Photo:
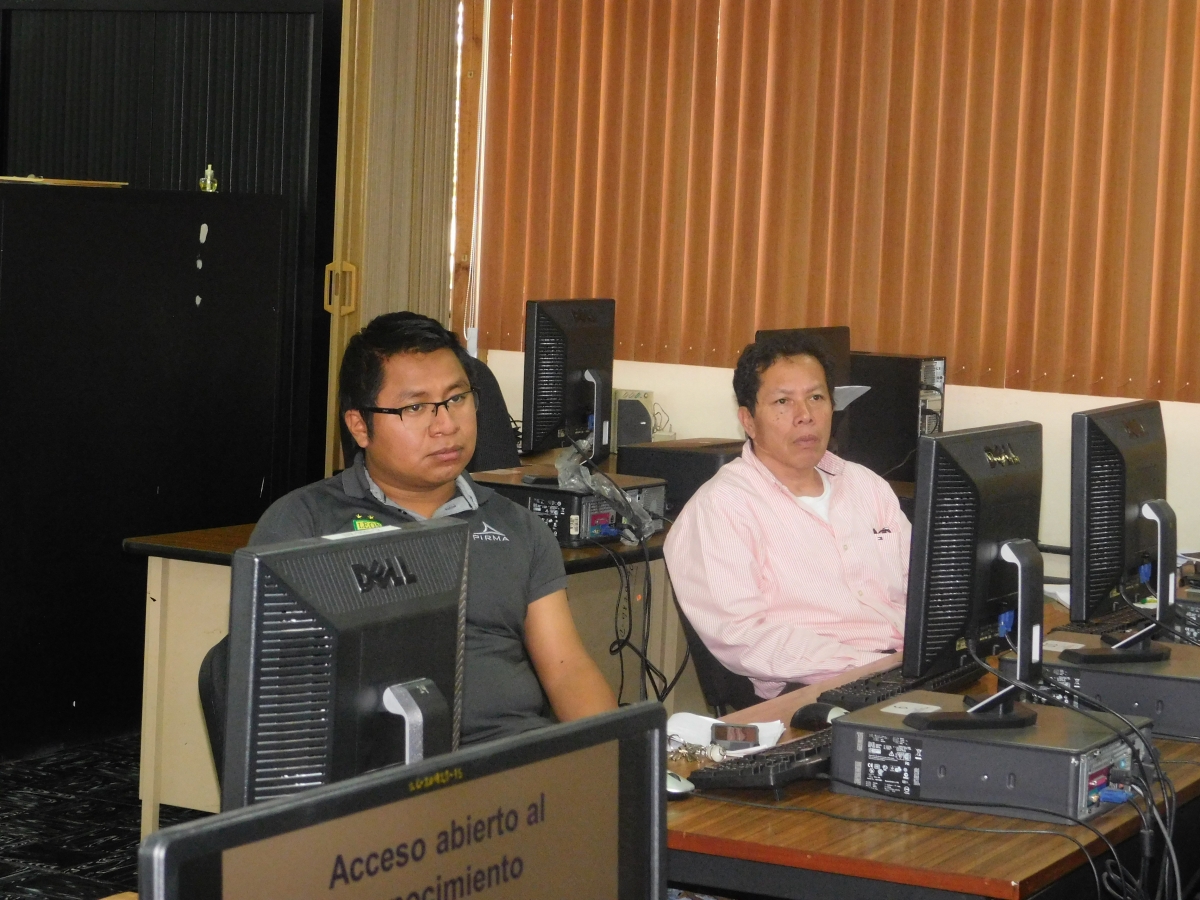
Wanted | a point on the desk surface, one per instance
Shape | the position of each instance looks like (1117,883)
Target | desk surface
(217,545)
(800,831)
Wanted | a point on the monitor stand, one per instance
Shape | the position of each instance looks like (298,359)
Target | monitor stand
(1000,710)
(1137,647)
(420,706)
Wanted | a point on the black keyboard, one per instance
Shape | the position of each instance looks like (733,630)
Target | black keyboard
(876,688)
(774,767)
(1125,618)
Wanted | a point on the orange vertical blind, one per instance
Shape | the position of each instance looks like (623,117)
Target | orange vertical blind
(1014,185)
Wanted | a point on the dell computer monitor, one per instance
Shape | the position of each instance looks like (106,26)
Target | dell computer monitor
(1118,464)
(567,811)
(976,490)
(568,375)
(344,656)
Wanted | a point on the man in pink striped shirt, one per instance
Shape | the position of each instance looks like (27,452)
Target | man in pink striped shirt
(791,563)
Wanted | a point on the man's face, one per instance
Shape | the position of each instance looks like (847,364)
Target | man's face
(791,421)
(435,453)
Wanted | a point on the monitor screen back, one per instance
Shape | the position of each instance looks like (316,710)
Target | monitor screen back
(575,811)
(976,489)
(1118,462)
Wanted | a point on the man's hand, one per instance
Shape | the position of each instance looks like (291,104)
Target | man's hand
(568,674)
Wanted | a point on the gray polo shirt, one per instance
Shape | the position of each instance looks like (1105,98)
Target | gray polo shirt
(514,561)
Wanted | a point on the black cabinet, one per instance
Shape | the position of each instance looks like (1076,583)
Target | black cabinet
(140,334)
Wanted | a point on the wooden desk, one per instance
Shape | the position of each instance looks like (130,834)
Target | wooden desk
(187,612)
(794,848)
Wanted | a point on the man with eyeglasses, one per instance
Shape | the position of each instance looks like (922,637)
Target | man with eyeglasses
(408,403)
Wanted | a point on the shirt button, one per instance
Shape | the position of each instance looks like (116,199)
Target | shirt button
(845,546)
(860,593)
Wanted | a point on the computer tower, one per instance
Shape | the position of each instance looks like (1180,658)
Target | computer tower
(905,401)
(685,464)
(633,417)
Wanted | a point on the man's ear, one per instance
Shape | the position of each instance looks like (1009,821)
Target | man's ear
(357,426)
(747,421)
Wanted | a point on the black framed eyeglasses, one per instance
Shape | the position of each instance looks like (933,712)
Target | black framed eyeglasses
(423,413)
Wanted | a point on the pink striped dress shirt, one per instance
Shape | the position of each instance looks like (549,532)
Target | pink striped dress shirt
(777,593)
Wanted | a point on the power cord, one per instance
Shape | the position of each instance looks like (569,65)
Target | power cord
(1167,788)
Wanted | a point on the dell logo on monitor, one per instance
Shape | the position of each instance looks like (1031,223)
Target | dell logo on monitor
(379,575)
(584,316)
(1001,455)
(1135,429)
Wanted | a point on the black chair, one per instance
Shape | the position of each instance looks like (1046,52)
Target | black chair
(724,691)
(214,690)
(495,443)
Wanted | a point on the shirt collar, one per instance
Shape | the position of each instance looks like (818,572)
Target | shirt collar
(829,464)
(358,483)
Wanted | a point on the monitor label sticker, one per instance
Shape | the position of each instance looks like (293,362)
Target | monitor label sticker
(540,830)
(904,707)
(1060,646)
(893,765)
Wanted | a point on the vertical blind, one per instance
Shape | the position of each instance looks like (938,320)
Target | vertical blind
(1014,185)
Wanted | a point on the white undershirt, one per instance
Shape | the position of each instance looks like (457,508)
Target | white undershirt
(819,505)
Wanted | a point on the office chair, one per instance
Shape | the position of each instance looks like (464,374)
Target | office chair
(724,691)
(214,690)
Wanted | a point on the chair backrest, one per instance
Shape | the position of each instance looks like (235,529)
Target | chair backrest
(495,444)
(723,690)
(213,683)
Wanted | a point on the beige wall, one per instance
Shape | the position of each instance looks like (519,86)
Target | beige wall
(700,402)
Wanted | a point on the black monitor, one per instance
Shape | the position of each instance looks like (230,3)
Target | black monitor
(565,811)
(836,339)
(568,375)
(344,656)
(976,490)
(1118,466)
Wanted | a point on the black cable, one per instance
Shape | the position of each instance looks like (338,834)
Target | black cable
(646,666)
(620,641)
(884,820)
(1167,788)
(687,650)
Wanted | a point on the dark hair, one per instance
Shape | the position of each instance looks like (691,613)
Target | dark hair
(361,375)
(766,350)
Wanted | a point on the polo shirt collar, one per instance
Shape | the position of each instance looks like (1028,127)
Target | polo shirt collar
(358,483)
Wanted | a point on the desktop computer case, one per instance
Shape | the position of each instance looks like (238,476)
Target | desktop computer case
(576,519)
(905,401)
(1052,769)
(1167,691)
(685,464)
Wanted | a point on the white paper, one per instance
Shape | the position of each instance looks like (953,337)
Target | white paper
(1060,646)
(696,729)
(1058,592)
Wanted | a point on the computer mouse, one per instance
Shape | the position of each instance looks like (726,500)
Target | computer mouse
(678,786)
(815,716)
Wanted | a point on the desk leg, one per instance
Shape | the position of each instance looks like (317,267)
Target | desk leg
(150,775)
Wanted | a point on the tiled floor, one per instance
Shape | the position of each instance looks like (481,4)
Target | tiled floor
(70,822)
